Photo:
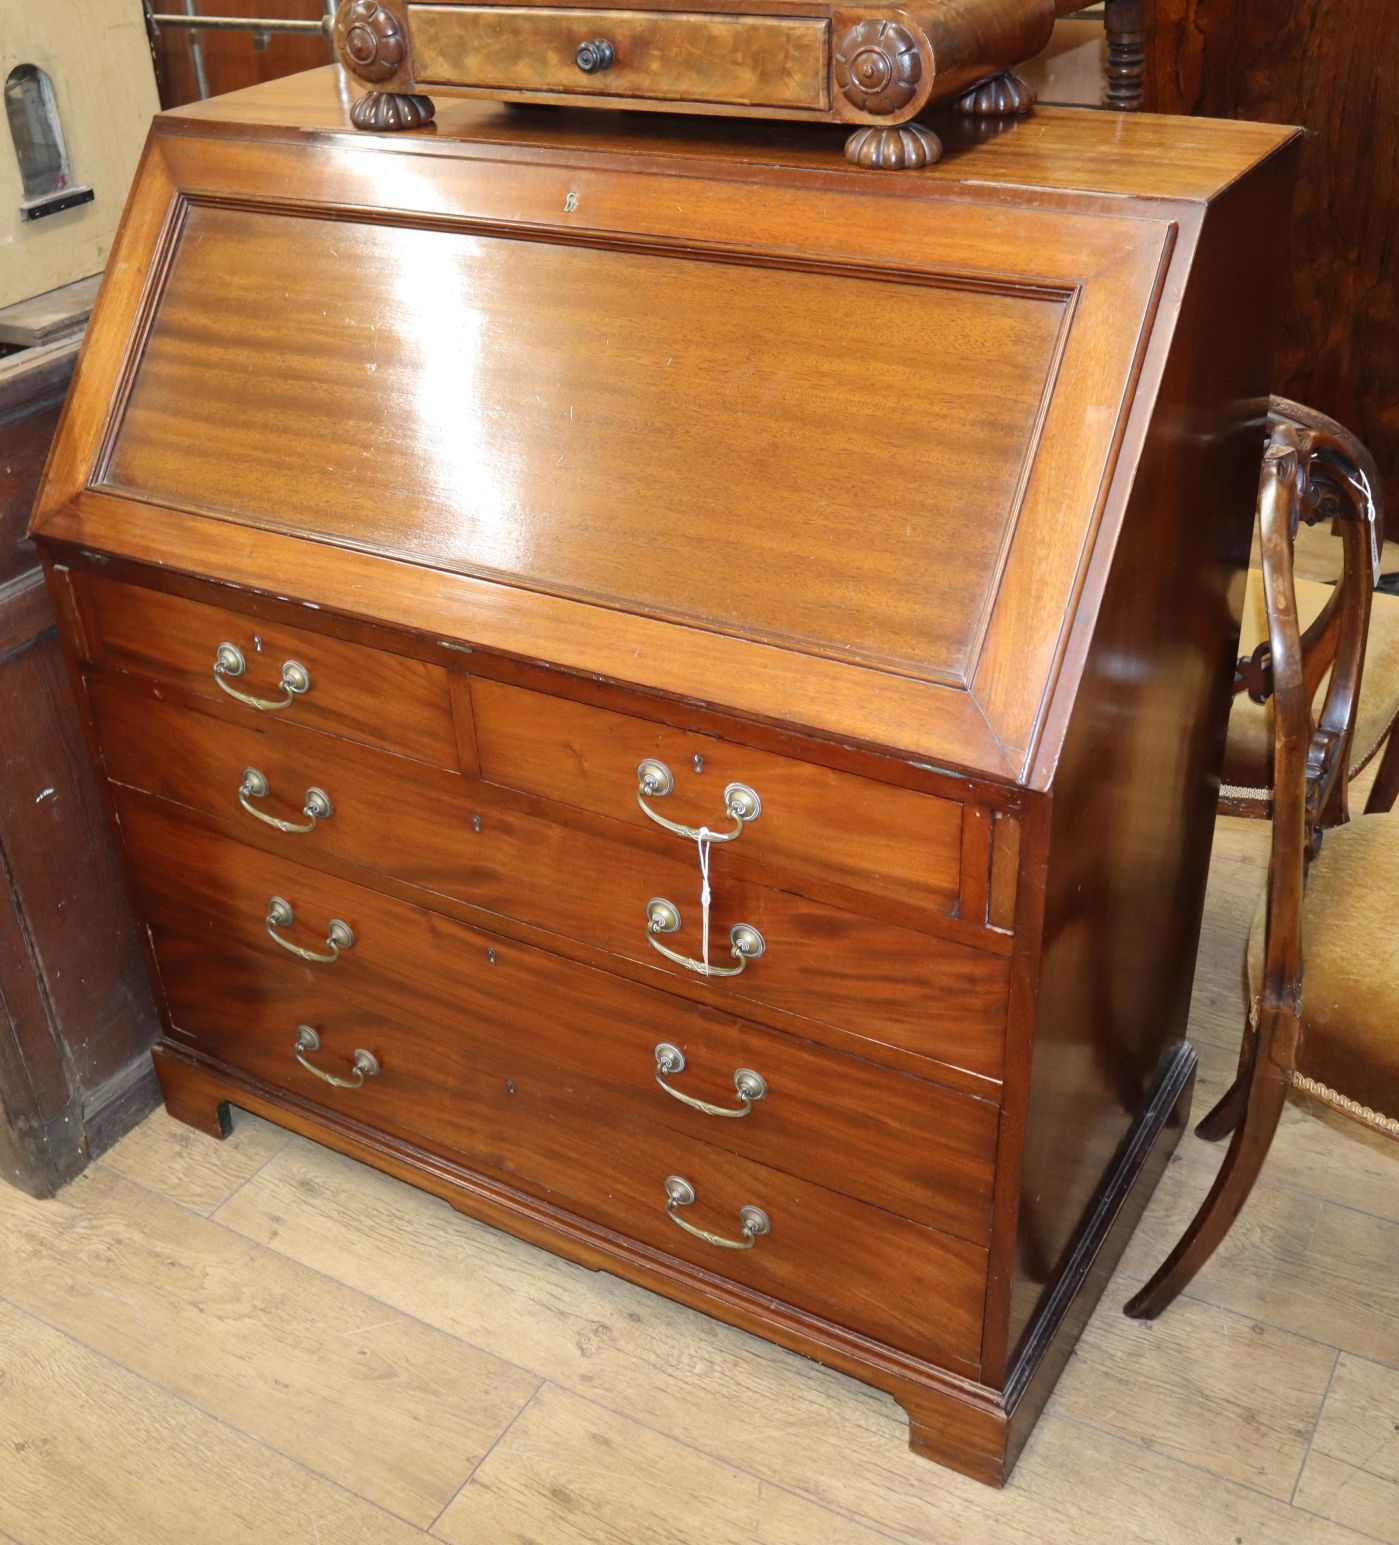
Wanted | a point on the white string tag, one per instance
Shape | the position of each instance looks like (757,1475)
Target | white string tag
(702,842)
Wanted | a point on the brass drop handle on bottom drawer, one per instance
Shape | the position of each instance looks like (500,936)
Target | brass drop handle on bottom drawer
(366,1064)
(751,1086)
(745,942)
(317,808)
(338,936)
(752,1220)
(654,780)
(229,661)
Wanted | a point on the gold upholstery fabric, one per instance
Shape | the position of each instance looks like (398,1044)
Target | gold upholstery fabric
(1248,754)
(1350,951)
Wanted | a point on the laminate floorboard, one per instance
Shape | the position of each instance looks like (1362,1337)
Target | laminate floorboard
(173,1361)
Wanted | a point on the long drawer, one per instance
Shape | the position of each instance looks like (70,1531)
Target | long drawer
(678,56)
(872,979)
(492,1095)
(898,1141)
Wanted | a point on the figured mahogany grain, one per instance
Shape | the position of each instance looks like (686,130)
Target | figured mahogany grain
(762,61)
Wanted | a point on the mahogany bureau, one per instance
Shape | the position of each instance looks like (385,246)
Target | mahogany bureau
(670,691)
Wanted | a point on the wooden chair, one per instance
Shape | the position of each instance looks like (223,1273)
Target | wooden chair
(1330,1031)
(1338,474)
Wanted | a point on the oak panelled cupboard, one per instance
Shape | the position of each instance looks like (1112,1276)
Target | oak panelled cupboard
(670,690)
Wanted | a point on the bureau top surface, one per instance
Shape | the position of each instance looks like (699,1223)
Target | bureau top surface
(697,409)
(1143,155)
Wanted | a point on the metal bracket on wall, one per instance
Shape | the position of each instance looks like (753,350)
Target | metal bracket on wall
(261,27)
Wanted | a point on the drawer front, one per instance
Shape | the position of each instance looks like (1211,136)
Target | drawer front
(754,61)
(885,985)
(497,1100)
(364,694)
(855,831)
(924,1151)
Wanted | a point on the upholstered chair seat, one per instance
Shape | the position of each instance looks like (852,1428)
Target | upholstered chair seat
(1348,1051)
(1248,752)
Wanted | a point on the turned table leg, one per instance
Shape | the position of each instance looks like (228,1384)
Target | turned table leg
(1128,24)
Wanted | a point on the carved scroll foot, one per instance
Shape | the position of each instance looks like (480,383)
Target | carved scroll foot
(1003,96)
(385,111)
(902,148)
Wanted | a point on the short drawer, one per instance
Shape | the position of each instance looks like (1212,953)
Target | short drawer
(676,56)
(351,690)
(858,832)
(881,983)
(901,1142)
(498,1102)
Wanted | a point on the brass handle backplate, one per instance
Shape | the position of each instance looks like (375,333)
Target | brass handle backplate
(295,679)
(317,808)
(753,1221)
(366,1064)
(751,1086)
(745,942)
(338,936)
(654,780)
(597,54)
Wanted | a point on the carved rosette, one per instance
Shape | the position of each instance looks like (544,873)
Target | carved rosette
(901,148)
(1003,96)
(878,66)
(370,40)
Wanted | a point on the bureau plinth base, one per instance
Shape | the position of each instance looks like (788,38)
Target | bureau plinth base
(953,1421)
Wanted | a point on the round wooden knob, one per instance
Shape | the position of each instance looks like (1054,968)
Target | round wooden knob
(594,56)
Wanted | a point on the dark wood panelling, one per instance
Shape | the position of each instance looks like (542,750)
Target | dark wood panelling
(1331,66)
(76,1014)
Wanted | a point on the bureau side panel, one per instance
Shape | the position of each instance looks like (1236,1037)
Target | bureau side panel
(1135,789)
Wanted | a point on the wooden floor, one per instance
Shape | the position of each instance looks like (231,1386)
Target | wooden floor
(258,1343)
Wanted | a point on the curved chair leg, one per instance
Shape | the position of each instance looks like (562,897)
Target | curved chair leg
(1252,1139)
(1229,1108)
(1222,1120)
(1385,789)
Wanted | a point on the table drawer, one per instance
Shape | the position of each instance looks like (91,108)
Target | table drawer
(497,1102)
(871,836)
(923,1150)
(886,985)
(365,694)
(677,56)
